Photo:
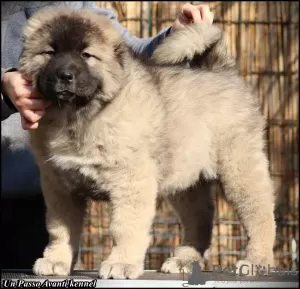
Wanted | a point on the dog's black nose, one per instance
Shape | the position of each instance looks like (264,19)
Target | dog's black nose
(65,75)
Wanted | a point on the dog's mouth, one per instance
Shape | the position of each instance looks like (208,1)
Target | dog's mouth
(64,97)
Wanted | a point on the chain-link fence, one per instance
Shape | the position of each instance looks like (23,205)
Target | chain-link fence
(264,38)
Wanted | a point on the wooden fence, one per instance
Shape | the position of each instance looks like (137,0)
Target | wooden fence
(264,38)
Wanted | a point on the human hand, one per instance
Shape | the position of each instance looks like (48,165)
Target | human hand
(190,13)
(25,99)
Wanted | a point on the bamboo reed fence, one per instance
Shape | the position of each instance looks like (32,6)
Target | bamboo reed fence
(264,38)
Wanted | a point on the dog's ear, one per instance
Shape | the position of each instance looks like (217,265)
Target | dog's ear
(120,51)
(39,18)
(111,35)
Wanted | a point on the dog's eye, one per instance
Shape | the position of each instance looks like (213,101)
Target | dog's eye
(86,55)
(49,52)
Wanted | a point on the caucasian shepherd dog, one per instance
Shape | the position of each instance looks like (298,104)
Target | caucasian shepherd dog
(129,131)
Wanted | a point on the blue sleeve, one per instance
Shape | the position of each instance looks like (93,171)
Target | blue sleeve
(143,47)
(7,107)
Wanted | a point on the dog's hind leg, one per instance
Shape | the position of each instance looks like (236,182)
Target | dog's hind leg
(195,208)
(248,187)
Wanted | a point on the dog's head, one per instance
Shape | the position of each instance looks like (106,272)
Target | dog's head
(72,56)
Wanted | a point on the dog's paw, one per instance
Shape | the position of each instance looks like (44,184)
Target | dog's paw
(43,266)
(183,259)
(177,265)
(118,270)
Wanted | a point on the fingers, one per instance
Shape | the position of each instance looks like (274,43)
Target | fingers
(28,79)
(26,99)
(206,15)
(197,13)
(191,12)
(31,108)
(23,103)
(33,104)
(183,20)
(28,91)
(31,112)
(26,125)
(33,116)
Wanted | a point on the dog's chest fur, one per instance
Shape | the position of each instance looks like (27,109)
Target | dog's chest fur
(73,158)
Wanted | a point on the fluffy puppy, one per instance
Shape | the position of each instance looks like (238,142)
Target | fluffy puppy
(129,131)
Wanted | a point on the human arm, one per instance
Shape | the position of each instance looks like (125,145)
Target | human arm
(141,47)
(7,107)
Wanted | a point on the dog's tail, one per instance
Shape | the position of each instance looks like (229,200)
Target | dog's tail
(201,44)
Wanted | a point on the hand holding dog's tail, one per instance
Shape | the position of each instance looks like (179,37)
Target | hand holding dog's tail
(201,44)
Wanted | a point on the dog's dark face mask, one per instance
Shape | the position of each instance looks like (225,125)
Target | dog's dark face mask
(67,79)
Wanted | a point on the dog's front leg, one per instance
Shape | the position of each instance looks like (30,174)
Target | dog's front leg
(133,201)
(64,220)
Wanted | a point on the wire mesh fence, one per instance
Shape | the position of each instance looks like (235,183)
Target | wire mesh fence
(264,38)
